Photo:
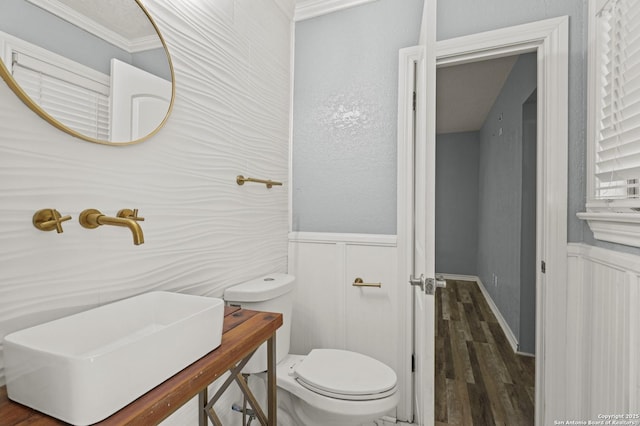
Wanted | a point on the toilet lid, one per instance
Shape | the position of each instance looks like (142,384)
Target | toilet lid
(344,374)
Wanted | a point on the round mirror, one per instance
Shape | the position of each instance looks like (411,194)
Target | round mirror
(96,69)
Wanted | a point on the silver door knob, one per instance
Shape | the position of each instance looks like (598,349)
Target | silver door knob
(418,281)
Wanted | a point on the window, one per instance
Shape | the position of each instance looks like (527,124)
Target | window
(616,100)
(614,119)
(72,93)
(77,102)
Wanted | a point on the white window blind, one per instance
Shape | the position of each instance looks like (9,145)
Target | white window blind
(617,163)
(78,102)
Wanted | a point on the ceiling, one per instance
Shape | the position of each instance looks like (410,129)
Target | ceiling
(466,93)
(122,17)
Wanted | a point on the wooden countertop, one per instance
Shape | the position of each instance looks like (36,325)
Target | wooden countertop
(243,331)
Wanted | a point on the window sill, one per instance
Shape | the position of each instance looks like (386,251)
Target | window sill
(621,228)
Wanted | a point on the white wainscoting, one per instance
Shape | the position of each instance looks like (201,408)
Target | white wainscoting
(600,361)
(603,333)
(202,231)
(331,313)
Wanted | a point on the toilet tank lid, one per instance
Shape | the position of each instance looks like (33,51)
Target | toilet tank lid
(260,289)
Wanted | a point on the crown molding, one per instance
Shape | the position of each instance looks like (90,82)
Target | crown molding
(89,25)
(306,9)
(142,44)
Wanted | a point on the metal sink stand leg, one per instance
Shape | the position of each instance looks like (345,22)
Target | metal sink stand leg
(236,375)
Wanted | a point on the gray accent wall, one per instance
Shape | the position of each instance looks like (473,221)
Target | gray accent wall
(457,156)
(500,183)
(527,339)
(153,61)
(486,202)
(464,17)
(345,116)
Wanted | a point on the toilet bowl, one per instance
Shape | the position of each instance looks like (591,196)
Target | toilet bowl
(326,397)
(327,387)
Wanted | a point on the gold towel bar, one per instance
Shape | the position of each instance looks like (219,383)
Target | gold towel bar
(240,180)
(359,283)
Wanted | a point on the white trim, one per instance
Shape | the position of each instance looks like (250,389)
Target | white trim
(549,38)
(407,58)
(292,62)
(388,421)
(511,338)
(613,259)
(306,9)
(621,228)
(81,21)
(491,44)
(457,277)
(333,238)
(143,44)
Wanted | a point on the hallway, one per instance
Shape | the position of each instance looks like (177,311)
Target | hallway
(479,379)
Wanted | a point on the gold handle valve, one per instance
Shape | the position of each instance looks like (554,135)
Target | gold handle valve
(49,219)
(130,214)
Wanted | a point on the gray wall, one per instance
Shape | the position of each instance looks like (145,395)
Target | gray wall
(527,339)
(463,17)
(153,61)
(499,192)
(457,157)
(37,26)
(345,116)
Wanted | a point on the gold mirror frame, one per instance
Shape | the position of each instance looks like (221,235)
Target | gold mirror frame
(13,84)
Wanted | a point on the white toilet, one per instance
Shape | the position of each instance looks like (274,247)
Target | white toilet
(327,387)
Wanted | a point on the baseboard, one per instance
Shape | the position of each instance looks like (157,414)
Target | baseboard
(458,277)
(511,338)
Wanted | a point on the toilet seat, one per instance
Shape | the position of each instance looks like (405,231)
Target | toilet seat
(345,375)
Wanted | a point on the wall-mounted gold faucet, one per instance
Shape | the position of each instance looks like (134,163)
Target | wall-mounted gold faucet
(92,218)
(49,219)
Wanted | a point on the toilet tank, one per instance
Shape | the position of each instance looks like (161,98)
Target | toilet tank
(271,293)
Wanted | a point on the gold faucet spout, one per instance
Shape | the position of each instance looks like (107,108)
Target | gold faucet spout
(136,230)
(92,218)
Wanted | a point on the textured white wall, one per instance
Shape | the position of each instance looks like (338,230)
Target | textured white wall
(202,231)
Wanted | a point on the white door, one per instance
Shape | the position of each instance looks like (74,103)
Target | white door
(139,101)
(416,198)
(424,249)
(424,220)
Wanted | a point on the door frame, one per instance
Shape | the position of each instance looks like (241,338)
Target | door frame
(549,39)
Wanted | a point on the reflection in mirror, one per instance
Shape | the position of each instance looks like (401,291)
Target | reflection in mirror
(97,69)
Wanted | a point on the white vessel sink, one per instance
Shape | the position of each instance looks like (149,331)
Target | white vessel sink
(84,367)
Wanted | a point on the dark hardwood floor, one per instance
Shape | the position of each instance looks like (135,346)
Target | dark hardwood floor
(479,379)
